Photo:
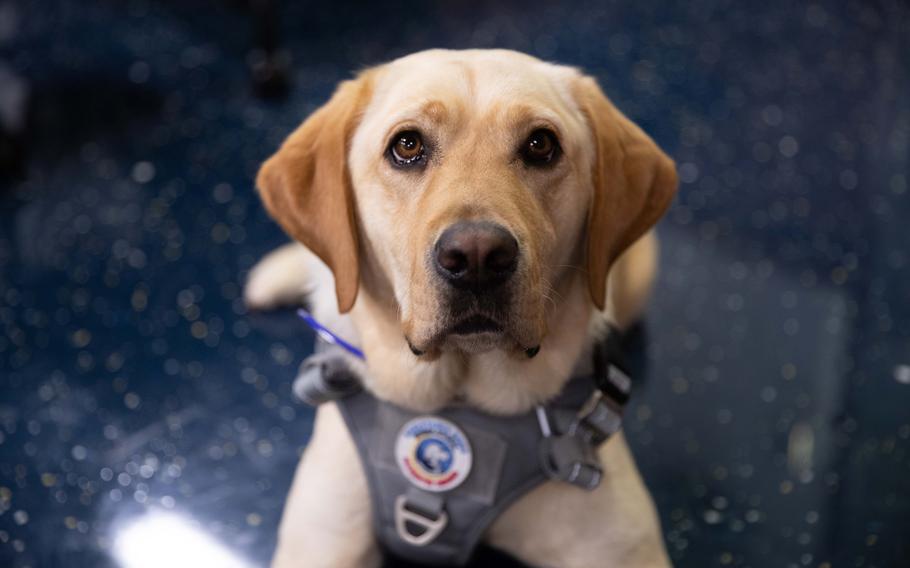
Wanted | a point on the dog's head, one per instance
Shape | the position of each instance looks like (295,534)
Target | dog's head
(469,187)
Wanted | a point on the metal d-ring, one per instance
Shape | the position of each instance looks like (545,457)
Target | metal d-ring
(431,527)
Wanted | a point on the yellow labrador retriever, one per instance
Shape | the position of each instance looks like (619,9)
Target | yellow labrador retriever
(471,219)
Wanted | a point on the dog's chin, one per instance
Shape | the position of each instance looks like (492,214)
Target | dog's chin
(478,342)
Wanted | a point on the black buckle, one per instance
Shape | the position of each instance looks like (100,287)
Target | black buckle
(611,374)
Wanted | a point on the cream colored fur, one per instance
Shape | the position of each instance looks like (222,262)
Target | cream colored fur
(327,519)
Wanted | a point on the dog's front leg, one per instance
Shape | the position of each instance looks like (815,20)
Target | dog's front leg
(327,519)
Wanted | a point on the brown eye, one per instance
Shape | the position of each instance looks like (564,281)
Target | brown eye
(407,148)
(540,148)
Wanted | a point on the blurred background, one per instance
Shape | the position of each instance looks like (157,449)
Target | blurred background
(147,420)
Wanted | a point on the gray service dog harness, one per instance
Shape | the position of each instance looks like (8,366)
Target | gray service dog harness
(437,481)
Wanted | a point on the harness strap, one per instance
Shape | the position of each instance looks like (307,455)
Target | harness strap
(568,451)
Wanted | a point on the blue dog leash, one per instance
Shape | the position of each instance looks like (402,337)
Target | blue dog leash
(328,335)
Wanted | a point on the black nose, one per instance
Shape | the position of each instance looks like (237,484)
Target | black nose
(476,255)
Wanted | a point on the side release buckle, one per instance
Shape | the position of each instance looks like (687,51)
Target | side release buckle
(599,419)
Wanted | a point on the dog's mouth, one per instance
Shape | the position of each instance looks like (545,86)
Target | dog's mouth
(473,332)
(474,324)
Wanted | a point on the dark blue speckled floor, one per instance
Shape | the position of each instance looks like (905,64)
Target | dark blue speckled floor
(146,417)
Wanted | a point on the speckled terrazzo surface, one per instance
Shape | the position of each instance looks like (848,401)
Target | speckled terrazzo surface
(144,413)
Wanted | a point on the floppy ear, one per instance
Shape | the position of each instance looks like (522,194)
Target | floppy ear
(306,186)
(634,182)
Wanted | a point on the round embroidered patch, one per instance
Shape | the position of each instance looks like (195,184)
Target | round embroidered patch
(433,453)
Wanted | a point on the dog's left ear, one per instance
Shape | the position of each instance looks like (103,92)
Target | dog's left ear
(634,182)
(306,186)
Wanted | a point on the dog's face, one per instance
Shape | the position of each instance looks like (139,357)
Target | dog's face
(471,186)
(472,180)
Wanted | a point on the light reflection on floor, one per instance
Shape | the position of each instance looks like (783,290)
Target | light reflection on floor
(163,538)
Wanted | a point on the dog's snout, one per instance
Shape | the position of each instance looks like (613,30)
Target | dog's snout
(476,255)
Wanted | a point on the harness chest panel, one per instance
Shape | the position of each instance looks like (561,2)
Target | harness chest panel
(506,463)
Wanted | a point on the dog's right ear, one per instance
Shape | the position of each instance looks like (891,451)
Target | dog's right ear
(306,186)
